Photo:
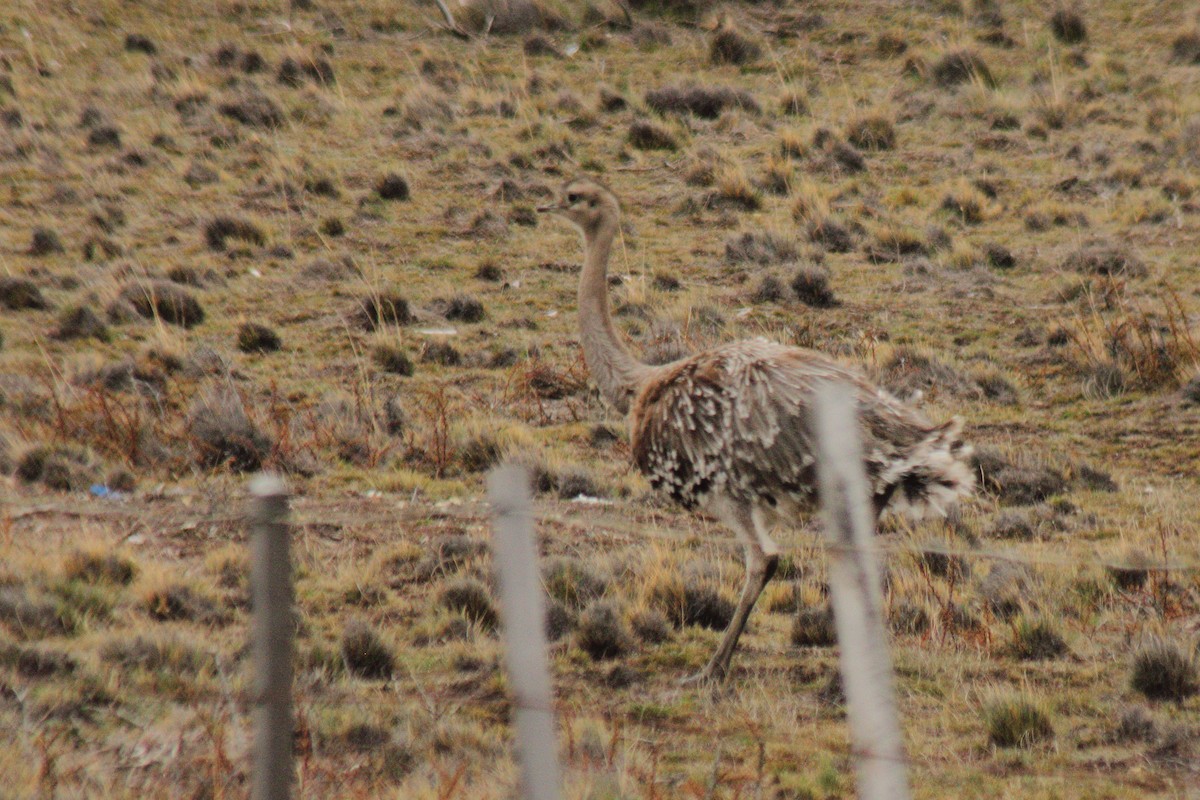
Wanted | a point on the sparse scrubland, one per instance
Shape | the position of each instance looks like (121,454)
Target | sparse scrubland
(301,236)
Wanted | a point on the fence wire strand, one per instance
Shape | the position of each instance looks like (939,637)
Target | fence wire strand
(590,519)
(881,546)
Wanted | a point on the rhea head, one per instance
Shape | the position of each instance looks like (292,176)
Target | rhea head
(585,204)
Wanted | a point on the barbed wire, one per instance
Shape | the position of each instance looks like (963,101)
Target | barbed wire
(883,546)
(591,519)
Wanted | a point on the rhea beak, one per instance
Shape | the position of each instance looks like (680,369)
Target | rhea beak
(550,208)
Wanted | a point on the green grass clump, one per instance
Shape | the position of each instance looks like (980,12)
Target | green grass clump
(364,653)
(1016,721)
(813,627)
(96,566)
(1035,639)
(470,598)
(253,337)
(872,132)
(602,633)
(573,582)
(1163,670)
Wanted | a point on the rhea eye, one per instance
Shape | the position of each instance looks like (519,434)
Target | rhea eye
(572,197)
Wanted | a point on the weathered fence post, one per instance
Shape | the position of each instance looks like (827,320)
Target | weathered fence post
(523,613)
(854,581)
(272,632)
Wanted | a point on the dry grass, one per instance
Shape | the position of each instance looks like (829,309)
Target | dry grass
(235,238)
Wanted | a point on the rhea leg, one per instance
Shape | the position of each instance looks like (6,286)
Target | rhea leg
(762,559)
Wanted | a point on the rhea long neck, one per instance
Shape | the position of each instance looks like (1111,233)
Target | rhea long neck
(618,374)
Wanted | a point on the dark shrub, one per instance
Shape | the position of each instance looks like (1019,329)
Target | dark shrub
(770,290)
(1035,640)
(29,617)
(44,241)
(36,662)
(961,66)
(1135,725)
(1105,258)
(17,294)
(442,353)
(97,567)
(1186,48)
(731,46)
(692,600)
(1191,392)
(793,103)
(200,175)
(464,308)
(384,309)
(139,43)
(323,186)
(1068,26)
(104,136)
(224,435)
(999,256)
(666,283)
(220,229)
(1162,670)
(177,601)
(539,45)
(253,337)
(392,358)
(559,621)
(489,271)
(479,453)
(1012,526)
(908,370)
(1016,722)
(832,235)
(187,276)
(602,632)
(1004,590)
(392,187)
(80,322)
(470,598)
(872,133)
(508,17)
(1017,485)
(364,653)
(254,110)
(645,134)
(759,247)
(813,627)
(333,226)
(847,157)
(651,626)
(612,100)
(62,468)
(573,582)
(166,301)
(295,71)
(811,286)
(705,102)
(943,564)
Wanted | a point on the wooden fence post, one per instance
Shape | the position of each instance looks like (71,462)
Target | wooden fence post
(857,595)
(272,639)
(522,611)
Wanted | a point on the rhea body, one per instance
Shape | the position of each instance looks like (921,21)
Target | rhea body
(726,430)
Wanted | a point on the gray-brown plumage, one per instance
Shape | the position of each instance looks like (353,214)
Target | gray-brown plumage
(726,430)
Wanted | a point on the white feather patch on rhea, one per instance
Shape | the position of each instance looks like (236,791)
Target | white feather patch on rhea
(943,463)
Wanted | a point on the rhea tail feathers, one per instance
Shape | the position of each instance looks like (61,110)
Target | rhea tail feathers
(936,473)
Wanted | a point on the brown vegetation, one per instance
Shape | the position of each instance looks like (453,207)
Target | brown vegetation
(305,239)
